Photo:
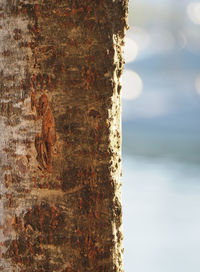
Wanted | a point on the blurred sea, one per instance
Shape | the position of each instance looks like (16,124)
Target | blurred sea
(161,137)
(161,200)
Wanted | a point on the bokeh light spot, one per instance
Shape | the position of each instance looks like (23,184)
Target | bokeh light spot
(131,85)
(197,84)
(130,50)
(193,11)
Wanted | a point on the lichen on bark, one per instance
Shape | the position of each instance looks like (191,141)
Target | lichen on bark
(60,160)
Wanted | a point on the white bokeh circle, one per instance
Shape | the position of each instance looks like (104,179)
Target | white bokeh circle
(131,85)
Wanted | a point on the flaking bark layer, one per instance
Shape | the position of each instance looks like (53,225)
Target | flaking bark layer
(60,145)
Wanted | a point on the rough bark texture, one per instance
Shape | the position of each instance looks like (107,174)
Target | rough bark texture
(60,64)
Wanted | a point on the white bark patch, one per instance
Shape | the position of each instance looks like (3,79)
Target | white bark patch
(13,66)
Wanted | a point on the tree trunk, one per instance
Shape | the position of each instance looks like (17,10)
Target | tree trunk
(60,64)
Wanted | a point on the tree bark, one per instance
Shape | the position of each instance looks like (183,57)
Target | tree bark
(60,65)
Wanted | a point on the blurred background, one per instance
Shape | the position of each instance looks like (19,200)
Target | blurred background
(161,137)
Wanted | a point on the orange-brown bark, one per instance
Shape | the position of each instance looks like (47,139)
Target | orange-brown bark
(60,145)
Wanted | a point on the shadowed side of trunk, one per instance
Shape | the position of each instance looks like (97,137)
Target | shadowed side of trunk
(60,135)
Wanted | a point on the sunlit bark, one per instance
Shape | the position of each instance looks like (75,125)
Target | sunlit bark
(60,64)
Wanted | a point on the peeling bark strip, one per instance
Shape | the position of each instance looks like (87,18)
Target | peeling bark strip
(60,64)
(44,140)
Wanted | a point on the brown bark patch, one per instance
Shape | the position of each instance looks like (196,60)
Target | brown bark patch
(44,140)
